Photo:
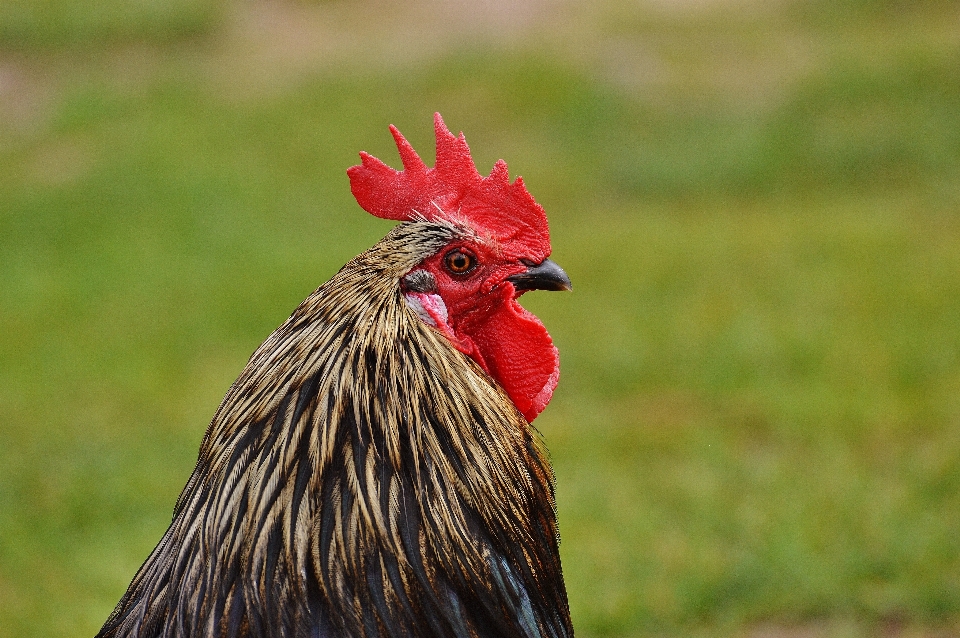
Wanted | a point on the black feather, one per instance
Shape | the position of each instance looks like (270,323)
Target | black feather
(361,478)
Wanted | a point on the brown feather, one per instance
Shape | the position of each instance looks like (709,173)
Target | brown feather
(363,478)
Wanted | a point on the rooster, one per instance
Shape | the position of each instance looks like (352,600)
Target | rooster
(373,471)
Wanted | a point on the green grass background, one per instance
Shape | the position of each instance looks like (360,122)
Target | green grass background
(757,429)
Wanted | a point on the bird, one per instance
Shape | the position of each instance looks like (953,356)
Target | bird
(373,471)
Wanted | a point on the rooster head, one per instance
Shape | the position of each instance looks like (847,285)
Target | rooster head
(468,290)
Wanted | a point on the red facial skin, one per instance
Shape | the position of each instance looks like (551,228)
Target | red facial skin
(484,319)
(488,324)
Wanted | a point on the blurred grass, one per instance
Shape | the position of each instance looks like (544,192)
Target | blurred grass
(758,423)
(44,25)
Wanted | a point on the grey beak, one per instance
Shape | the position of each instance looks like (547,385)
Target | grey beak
(544,276)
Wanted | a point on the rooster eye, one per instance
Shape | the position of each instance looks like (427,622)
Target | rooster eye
(459,262)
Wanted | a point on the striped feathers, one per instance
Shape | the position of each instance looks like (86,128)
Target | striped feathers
(362,478)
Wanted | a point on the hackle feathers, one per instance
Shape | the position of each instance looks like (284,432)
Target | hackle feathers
(361,478)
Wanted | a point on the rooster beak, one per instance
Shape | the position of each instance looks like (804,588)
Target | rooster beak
(543,276)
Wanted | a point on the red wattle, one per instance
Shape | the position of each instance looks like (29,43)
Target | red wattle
(520,354)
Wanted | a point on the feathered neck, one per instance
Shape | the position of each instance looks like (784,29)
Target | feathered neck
(361,478)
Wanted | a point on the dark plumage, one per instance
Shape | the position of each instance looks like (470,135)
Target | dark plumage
(363,477)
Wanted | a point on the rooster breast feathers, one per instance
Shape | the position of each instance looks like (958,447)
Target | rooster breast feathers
(362,477)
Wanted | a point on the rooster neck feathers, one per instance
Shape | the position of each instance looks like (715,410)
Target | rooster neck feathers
(508,342)
(361,478)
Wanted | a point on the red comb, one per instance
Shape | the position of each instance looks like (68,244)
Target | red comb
(453,190)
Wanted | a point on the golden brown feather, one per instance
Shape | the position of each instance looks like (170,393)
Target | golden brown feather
(362,478)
